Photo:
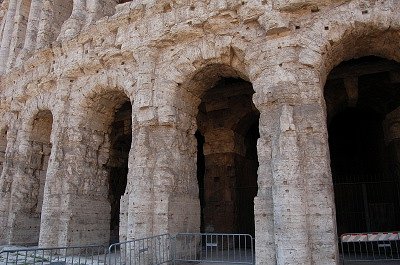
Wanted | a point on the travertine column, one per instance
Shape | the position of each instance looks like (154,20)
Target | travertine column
(6,179)
(140,187)
(45,31)
(293,137)
(56,194)
(313,139)
(97,9)
(263,202)
(74,23)
(280,175)
(52,17)
(162,181)
(7,34)
(31,30)
(18,36)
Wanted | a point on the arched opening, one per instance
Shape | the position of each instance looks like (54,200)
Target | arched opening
(108,128)
(362,98)
(227,157)
(38,156)
(120,139)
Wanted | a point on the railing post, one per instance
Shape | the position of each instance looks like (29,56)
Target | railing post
(174,249)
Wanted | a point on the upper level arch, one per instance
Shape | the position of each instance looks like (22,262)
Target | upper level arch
(342,36)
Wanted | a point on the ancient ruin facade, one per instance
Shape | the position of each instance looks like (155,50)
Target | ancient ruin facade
(122,119)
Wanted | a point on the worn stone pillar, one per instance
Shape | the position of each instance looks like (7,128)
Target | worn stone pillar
(74,23)
(52,17)
(31,31)
(289,189)
(97,9)
(6,179)
(45,32)
(7,35)
(263,202)
(294,174)
(313,139)
(55,196)
(282,187)
(140,191)
(20,28)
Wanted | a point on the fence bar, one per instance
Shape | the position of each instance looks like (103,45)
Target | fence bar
(66,255)
(163,249)
(214,248)
(378,246)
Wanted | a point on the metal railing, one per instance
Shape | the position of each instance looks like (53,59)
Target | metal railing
(214,248)
(366,247)
(154,250)
(82,255)
(150,250)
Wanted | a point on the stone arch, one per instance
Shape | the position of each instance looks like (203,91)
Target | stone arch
(34,155)
(187,74)
(103,120)
(346,36)
(31,160)
(364,32)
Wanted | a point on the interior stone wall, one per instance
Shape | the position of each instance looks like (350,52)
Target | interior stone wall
(164,55)
(27,198)
(222,121)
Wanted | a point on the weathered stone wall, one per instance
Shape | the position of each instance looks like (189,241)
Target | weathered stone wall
(83,63)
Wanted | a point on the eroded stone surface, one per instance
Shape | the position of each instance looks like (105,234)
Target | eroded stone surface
(82,59)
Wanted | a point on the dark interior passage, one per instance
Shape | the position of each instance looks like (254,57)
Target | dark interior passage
(361,95)
(227,157)
(121,138)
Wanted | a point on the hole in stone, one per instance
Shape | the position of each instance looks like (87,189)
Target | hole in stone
(314,9)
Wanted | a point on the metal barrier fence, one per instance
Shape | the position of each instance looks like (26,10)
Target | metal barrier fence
(83,255)
(151,250)
(214,248)
(370,247)
(155,250)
